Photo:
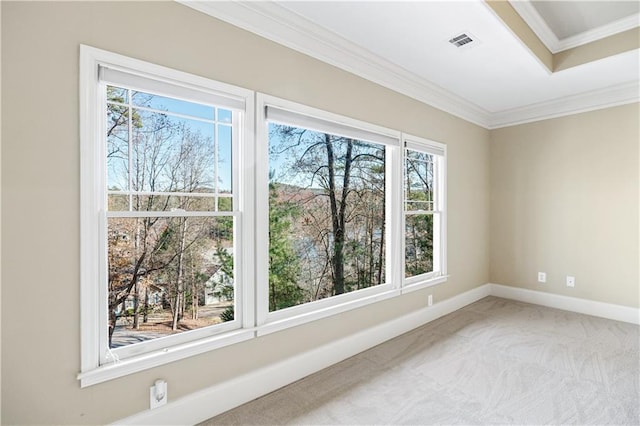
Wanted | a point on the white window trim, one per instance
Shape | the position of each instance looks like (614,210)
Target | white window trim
(93,309)
(439,150)
(268,322)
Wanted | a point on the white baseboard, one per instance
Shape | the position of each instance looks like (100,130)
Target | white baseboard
(207,403)
(567,303)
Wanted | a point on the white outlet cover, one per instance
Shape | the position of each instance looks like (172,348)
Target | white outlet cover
(542,277)
(571,281)
(158,387)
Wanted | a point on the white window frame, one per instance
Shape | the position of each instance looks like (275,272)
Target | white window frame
(439,273)
(96,365)
(316,119)
(251,239)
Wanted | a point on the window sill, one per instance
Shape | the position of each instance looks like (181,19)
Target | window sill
(420,284)
(153,359)
(178,352)
(315,314)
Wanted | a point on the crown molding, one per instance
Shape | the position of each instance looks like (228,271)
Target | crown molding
(278,24)
(607,97)
(595,34)
(539,26)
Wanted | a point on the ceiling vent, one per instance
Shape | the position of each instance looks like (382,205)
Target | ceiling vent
(461,40)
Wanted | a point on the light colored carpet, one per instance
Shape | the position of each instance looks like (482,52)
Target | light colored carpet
(493,362)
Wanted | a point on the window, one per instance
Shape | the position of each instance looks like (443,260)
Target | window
(199,231)
(170,215)
(333,235)
(162,209)
(424,201)
(327,223)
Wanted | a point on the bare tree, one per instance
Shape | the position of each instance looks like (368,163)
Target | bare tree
(164,156)
(335,181)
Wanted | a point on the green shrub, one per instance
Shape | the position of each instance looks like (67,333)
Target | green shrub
(227,314)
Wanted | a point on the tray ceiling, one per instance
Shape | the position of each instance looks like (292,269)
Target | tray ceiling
(494,81)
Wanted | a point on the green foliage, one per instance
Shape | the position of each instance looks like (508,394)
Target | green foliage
(225,204)
(226,261)
(228,314)
(337,185)
(284,267)
(224,288)
(419,245)
(223,230)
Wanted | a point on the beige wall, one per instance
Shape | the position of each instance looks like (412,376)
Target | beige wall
(40,193)
(506,12)
(564,200)
(609,46)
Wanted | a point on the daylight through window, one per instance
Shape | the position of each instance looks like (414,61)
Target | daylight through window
(170,220)
(206,222)
(423,207)
(326,215)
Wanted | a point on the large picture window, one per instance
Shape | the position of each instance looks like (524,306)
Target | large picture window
(325,244)
(200,230)
(326,215)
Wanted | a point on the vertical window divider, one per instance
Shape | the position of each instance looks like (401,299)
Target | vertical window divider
(262,216)
(395,233)
(244,177)
(442,204)
(101,295)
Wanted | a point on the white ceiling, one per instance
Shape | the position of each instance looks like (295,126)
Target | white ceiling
(494,81)
(563,25)
(568,19)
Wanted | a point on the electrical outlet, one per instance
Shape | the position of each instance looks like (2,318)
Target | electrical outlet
(542,277)
(571,281)
(430,300)
(158,394)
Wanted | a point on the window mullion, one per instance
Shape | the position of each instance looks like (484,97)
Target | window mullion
(243,183)
(261,215)
(394,209)
(101,342)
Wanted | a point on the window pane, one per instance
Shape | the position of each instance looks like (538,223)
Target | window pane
(161,153)
(172,105)
(326,214)
(225,162)
(117,94)
(225,204)
(224,115)
(118,202)
(117,147)
(418,244)
(419,181)
(168,275)
(172,154)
